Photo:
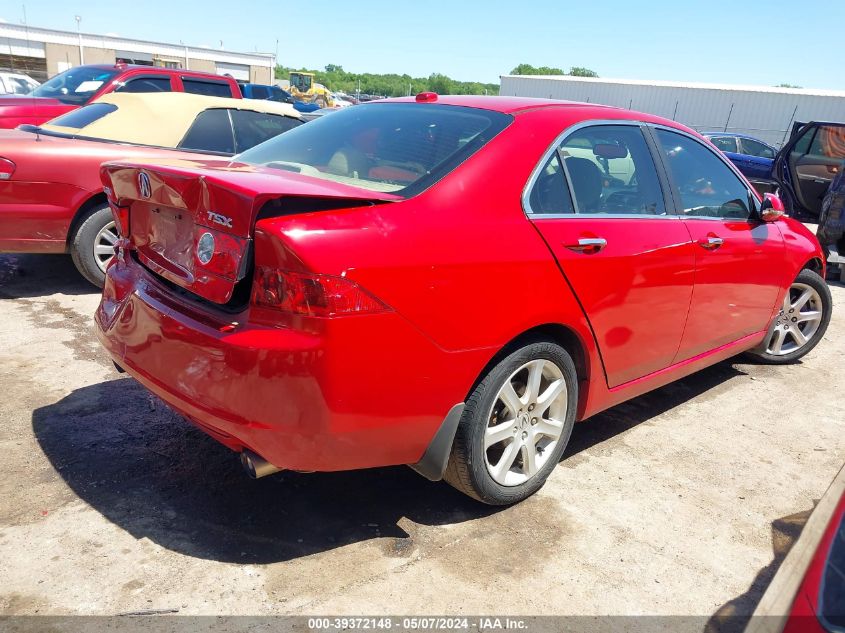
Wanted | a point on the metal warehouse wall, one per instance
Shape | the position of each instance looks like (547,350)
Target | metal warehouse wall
(766,113)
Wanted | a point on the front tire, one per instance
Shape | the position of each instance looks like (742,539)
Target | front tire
(92,244)
(801,322)
(515,426)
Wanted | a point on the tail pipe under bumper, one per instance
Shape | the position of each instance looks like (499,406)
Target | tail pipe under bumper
(256,466)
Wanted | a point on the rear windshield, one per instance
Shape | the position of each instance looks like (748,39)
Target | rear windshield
(395,147)
(85,115)
(75,86)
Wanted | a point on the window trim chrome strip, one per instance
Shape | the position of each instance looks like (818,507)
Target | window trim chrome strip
(554,146)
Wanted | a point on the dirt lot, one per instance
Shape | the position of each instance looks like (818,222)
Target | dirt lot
(683,501)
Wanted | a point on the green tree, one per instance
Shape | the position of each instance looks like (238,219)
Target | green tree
(334,77)
(575,71)
(580,71)
(528,69)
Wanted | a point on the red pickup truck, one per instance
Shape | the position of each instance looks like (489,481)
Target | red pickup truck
(77,86)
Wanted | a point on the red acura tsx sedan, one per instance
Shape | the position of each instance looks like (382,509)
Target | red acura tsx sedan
(446,282)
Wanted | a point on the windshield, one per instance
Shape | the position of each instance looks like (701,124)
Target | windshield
(75,86)
(391,147)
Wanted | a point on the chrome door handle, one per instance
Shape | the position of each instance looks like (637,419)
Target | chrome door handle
(588,244)
(711,243)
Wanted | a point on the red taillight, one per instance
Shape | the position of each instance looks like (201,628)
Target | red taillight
(427,97)
(7,168)
(121,219)
(219,253)
(309,294)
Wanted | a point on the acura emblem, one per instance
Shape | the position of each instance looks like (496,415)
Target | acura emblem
(144,185)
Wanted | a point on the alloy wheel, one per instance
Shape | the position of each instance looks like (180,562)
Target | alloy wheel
(797,322)
(104,245)
(525,422)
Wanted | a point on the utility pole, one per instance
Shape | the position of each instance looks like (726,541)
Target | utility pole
(79,35)
(185,46)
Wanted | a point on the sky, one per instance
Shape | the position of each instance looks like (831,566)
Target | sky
(718,41)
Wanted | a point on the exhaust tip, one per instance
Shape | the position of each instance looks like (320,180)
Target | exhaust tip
(256,466)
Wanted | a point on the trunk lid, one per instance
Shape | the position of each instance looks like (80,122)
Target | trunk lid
(192,222)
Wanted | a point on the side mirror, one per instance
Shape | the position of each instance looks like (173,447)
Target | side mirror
(771,210)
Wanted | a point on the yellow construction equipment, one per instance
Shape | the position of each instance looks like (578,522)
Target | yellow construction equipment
(304,88)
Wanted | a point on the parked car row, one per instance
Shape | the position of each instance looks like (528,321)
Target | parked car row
(51,196)
(12,83)
(83,84)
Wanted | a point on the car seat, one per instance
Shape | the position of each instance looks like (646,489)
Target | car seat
(350,162)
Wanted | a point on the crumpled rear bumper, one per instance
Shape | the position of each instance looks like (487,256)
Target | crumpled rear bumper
(358,392)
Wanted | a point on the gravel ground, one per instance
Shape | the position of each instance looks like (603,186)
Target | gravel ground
(683,501)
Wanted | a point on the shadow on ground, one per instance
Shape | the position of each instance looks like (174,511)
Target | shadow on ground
(734,616)
(26,276)
(128,456)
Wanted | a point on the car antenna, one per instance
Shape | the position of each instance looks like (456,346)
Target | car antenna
(34,99)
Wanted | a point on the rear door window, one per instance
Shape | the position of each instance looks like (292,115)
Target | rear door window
(549,193)
(756,148)
(829,142)
(802,145)
(610,171)
(146,84)
(252,128)
(206,87)
(211,131)
(706,186)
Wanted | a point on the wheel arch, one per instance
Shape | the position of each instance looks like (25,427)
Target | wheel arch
(816,265)
(95,200)
(558,333)
(434,461)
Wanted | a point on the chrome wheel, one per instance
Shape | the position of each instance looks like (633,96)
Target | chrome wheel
(797,322)
(104,245)
(525,422)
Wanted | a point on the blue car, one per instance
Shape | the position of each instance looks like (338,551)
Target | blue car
(275,93)
(753,157)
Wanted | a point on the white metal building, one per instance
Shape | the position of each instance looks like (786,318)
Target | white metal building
(42,53)
(767,113)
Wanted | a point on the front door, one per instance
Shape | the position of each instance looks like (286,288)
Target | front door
(598,202)
(739,261)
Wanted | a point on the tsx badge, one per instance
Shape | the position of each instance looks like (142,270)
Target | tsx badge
(222,220)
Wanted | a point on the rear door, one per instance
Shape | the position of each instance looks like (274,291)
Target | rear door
(739,261)
(806,166)
(598,201)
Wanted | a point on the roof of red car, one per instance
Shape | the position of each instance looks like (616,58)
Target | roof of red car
(507,105)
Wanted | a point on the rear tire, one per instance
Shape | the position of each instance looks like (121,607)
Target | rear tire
(90,243)
(504,453)
(801,322)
